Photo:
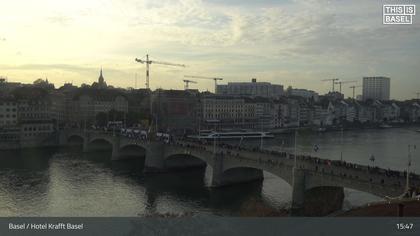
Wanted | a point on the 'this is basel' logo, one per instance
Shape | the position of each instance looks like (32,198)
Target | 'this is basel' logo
(398,14)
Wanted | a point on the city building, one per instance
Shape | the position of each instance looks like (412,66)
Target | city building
(8,112)
(365,113)
(387,111)
(6,87)
(376,88)
(414,112)
(226,111)
(250,89)
(308,94)
(34,133)
(334,96)
(241,113)
(90,102)
(176,111)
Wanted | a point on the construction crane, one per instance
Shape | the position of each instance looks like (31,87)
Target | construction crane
(149,62)
(354,88)
(333,82)
(345,82)
(187,83)
(205,77)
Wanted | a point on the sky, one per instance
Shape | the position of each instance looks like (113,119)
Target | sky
(295,43)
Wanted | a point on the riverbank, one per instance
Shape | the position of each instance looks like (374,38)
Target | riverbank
(329,129)
(402,208)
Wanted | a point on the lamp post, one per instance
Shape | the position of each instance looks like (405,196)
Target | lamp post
(295,160)
(214,139)
(295,151)
(262,130)
(407,187)
(113,127)
(341,143)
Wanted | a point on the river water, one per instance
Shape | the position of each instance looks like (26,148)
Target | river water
(66,182)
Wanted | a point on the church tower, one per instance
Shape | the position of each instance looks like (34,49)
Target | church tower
(101,80)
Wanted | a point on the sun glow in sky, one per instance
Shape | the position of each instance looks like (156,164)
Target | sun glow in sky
(296,42)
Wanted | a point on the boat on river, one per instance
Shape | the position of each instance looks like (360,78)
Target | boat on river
(385,126)
(232,135)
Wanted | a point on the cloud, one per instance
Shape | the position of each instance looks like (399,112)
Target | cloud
(59,19)
(46,67)
(284,40)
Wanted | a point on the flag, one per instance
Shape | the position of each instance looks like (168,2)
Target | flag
(316,148)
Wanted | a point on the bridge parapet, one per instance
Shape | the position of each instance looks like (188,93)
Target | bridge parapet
(137,142)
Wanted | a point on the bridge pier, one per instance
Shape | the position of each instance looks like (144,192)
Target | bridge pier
(86,143)
(62,139)
(115,149)
(217,174)
(318,201)
(298,193)
(155,159)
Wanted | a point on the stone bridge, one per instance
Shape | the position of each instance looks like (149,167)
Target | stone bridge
(317,184)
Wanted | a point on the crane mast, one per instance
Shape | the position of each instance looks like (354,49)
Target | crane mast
(205,77)
(333,82)
(354,88)
(149,62)
(345,82)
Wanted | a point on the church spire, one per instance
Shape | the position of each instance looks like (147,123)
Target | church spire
(101,78)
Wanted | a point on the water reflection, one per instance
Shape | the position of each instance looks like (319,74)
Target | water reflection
(67,182)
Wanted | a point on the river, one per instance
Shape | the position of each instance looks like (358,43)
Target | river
(67,182)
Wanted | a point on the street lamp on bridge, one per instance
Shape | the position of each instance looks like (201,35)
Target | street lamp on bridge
(295,157)
(407,187)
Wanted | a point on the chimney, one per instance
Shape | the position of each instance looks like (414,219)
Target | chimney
(254,80)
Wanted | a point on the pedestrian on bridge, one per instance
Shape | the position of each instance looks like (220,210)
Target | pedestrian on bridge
(372,159)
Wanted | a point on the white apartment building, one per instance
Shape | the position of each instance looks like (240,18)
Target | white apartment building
(376,88)
(227,110)
(251,89)
(308,94)
(237,112)
(35,110)
(8,113)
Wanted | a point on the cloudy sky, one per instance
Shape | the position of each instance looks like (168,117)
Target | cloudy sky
(290,42)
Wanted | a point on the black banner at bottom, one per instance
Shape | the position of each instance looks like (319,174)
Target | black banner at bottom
(210,225)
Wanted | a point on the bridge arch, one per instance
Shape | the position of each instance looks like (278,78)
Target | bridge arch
(373,185)
(99,144)
(101,139)
(75,139)
(132,150)
(284,172)
(184,161)
(241,174)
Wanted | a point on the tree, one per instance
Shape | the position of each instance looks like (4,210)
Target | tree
(39,82)
(115,115)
